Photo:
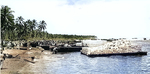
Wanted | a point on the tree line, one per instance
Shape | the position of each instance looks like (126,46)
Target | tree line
(19,29)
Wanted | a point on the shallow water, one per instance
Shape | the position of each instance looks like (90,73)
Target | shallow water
(76,63)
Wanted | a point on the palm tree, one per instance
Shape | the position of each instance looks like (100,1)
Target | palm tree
(20,26)
(29,23)
(42,25)
(7,22)
(33,26)
(26,29)
(7,19)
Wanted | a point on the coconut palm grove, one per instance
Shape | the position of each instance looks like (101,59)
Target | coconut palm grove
(30,29)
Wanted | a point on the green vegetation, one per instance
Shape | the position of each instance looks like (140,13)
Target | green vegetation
(19,29)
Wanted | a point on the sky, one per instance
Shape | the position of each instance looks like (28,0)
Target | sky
(102,18)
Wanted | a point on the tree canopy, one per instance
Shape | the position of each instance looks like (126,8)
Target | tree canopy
(19,29)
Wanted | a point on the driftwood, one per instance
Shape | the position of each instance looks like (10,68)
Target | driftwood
(29,61)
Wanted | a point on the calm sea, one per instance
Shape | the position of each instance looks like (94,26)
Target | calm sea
(76,63)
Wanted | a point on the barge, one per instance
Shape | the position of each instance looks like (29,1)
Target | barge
(111,54)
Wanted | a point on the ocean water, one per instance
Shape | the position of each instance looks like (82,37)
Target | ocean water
(76,63)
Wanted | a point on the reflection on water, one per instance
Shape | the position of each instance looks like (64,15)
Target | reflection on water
(76,63)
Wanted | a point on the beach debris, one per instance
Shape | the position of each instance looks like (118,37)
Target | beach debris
(2,58)
(55,50)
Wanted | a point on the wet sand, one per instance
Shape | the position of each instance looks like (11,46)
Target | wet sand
(23,64)
(40,67)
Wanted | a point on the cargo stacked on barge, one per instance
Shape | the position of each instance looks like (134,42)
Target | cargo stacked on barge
(118,47)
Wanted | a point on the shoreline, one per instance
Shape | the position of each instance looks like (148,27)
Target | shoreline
(20,58)
(23,63)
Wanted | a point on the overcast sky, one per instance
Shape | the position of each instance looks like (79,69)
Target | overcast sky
(103,18)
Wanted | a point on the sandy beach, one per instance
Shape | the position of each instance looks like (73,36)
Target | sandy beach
(21,63)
